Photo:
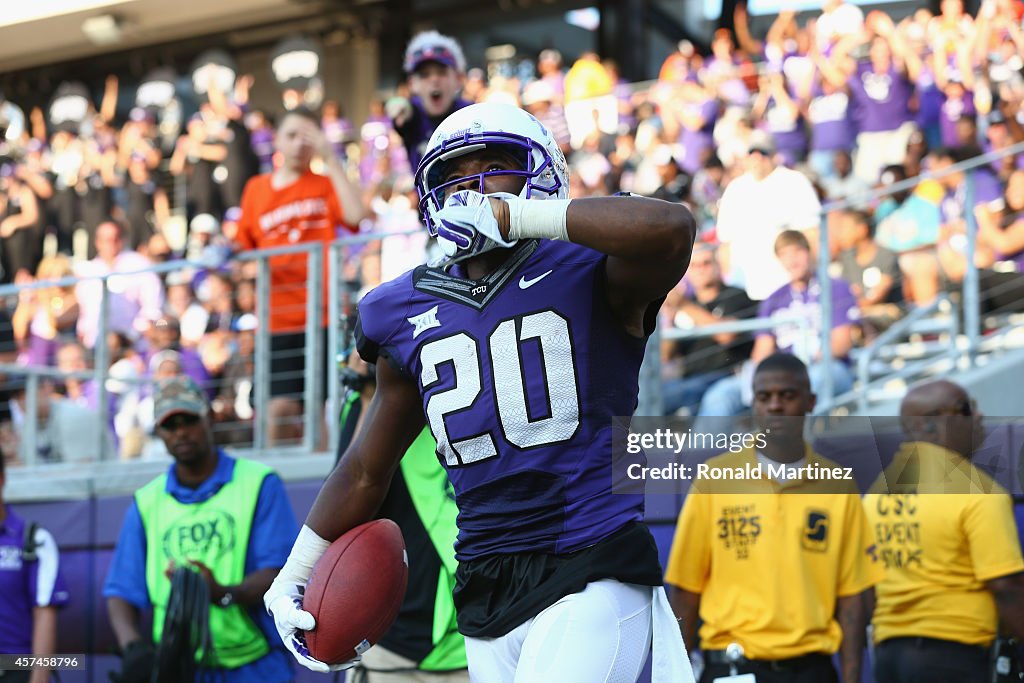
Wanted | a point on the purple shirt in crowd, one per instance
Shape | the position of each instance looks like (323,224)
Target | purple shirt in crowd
(262,141)
(929,99)
(953,108)
(987,190)
(883,100)
(805,342)
(26,585)
(696,142)
(788,132)
(831,119)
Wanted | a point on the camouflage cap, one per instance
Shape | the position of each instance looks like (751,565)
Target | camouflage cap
(178,395)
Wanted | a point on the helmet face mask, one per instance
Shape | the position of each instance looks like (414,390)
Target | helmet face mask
(489,125)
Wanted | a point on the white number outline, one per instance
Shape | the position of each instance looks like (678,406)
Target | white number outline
(461,351)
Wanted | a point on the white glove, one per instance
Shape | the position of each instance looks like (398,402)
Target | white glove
(465,215)
(284,601)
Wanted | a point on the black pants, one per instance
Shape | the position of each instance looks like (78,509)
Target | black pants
(288,364)
(806,669)
(929,660)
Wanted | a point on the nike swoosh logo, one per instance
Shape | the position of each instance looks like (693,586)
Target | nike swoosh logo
(524,283)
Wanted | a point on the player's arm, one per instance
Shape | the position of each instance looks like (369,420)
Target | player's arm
(124,620)
(852,618)
(357,486)
(350,496)
(686,606)
(648,242)
(44,638)
(1008,592)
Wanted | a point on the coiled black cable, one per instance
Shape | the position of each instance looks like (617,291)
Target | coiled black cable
(186,644)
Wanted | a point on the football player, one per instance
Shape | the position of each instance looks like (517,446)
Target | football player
(517,352)
(436,69)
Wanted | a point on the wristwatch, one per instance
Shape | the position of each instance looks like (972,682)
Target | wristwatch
(227,599)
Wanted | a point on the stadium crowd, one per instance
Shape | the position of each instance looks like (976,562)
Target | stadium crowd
(757,136)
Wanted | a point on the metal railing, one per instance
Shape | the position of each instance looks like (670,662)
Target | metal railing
(339,296)
(971,301)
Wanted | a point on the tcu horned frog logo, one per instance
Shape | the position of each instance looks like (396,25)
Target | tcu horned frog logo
(206,536)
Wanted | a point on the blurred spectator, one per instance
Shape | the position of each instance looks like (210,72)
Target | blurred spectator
(539,100)
(261,136)
(706,192)
(338,130)
(182,305)
(196,157)
(881,88)
(43,316)
(434,65)
(802,298)
(125,390)
(783,118)
(549,66)
(828,111)
(843,184)
(701,300)
(133,300)
(1002,281)
(872,271)
(233,406)
(21,237)
(587,78)
(754,209)
(1002,132)
(675,185)
(165,335)
(294,205)
(689,114)
(73,357)
(148,207)
(927,277)
(65,430)
(680,66)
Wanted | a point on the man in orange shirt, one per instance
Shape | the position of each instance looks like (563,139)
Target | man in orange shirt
(293,205)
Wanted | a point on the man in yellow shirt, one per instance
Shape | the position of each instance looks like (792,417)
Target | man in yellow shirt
(782,576)
(947,537)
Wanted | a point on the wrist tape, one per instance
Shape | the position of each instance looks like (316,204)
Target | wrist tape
(542,219)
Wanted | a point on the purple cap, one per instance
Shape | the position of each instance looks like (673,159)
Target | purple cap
(430,53)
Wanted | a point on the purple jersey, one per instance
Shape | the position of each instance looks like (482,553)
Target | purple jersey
(25,584)
(831,121)
(262,141)
(929,98)
(953,109)
(520,374)
(804,342)
(883,100)
(987,191)
(696,142)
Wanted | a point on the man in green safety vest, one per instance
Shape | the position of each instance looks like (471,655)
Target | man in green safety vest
(424,644)
(226,518)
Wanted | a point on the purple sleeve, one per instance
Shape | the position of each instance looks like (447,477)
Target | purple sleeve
(709,111)
(844,304)
(987,189)
(765,310)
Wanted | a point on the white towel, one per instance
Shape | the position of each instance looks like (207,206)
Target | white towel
(670,663)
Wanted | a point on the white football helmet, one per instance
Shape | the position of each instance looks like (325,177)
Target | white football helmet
(475,127)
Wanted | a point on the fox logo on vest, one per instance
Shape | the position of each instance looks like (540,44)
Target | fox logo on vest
(205,536)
